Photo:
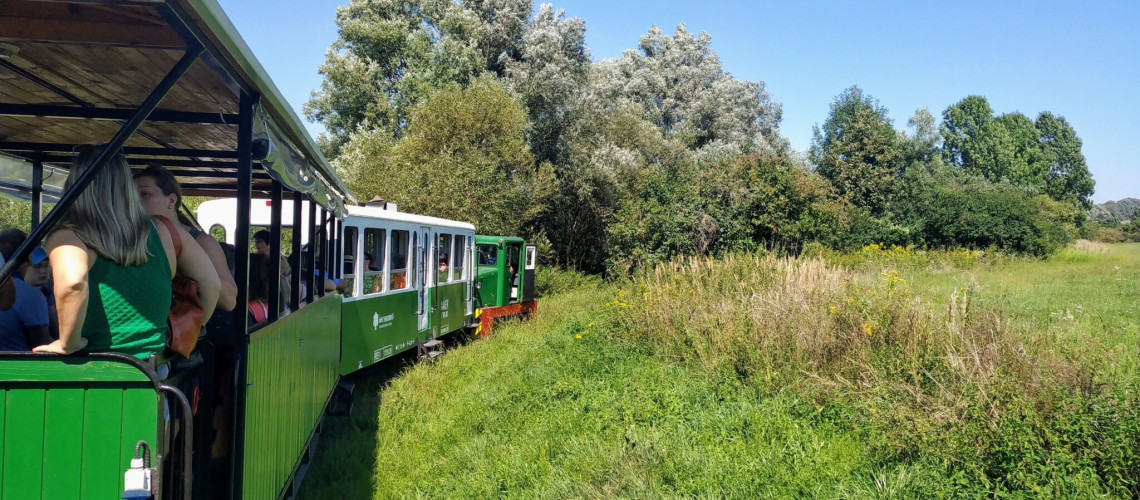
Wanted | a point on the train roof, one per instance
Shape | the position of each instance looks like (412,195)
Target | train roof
(392,215)
(71,72)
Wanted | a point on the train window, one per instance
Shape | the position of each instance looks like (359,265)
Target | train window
(372,261)
(458,256)
(350,275)
(488,255)
(443,257)
(398,272)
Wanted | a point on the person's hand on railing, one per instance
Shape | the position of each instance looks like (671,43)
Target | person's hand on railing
(57,347)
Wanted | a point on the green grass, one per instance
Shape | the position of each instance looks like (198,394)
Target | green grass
(657,399)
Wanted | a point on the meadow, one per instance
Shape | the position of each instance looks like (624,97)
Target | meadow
(885,373)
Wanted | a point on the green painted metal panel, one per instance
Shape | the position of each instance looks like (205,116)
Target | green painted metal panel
(378,327)
(70,425)
(450,302)
(63,444)
(293,367)
(23,446)
(101,448)
(75,369)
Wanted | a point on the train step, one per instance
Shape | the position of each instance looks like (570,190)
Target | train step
(432,343)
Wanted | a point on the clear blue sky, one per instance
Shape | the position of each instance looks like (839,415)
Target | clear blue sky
(1080,60)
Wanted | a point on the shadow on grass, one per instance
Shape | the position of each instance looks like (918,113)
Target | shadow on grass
(345,460)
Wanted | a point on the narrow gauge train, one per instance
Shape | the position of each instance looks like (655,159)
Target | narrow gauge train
(171,81)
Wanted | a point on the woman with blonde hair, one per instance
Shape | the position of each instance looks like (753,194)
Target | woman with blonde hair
(112,267)
(162,195)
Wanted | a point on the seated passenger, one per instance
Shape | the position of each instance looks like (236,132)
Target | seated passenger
(443,265)
(263,243)
(112,267)
(161,194)
(24,325)
(260,272)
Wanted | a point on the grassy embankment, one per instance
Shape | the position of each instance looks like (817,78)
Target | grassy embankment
(881,374)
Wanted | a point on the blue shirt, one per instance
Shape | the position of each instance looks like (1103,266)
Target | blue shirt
(28,312)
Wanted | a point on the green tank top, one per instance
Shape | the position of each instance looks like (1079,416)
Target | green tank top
(127,306)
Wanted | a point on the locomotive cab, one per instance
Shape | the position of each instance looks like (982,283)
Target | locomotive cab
(504,279)
(505,271)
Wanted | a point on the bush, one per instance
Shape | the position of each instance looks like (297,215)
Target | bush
(971,213)
(552,280)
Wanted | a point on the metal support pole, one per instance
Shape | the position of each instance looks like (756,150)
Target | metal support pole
(314,278)
(274,252)
(241,275)
(112,147)
(323,249)
(37,191)
(295,280)
(334,245)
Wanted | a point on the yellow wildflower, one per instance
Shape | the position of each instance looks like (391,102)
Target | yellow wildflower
(579,336)
(867,329)
(832,309)
(591,325)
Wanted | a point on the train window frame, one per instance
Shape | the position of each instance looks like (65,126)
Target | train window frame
(458,256)
(351,234)
(389,270)
(441,246)
(493,254)
(376,247)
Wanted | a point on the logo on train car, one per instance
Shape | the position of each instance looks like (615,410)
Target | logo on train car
(379,321)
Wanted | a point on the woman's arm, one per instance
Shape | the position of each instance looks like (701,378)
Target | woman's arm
(70,262)
(227,299)
(193,263)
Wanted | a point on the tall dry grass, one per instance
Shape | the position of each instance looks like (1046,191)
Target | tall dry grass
(778,321)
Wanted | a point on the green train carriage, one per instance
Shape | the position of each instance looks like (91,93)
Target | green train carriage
(170,82)
(189,94)
(417,289)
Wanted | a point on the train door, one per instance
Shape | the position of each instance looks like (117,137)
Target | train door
(513,259)
(422,250)
(528,275)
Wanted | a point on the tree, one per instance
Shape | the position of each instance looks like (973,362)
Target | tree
(1066,176)
(391,54)
(550,70)
(1006,148)
(856,150)
(961,125)
(678,84)
(464,158)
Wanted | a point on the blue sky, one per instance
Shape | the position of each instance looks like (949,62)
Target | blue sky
(1078,60)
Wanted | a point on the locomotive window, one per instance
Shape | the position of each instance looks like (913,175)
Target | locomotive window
(398,273)
(458,256)
(443,259)
(350,275)
(372,260)
(488,255)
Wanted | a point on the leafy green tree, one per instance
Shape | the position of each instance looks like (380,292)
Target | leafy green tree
(1066,176)
(856,149)
(464,157)
(390,54)
(962,124)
